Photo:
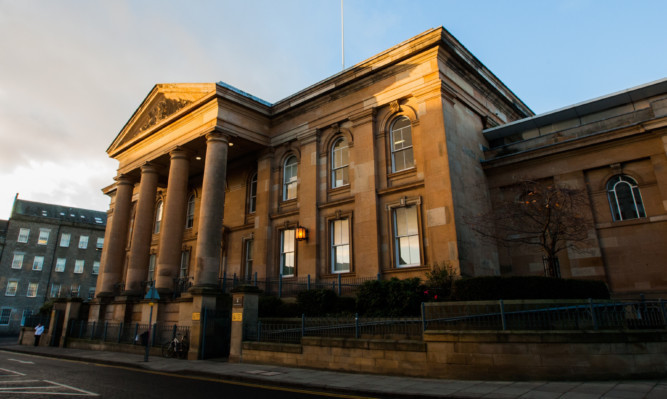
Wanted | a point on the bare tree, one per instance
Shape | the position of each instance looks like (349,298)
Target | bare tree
(540,215)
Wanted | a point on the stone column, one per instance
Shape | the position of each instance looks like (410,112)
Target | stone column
(173,221)
(113,253)
(137,270)
(211,211)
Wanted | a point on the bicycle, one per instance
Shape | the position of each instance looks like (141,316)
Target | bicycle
(176,347)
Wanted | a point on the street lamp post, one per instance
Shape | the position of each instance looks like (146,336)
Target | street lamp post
(152,295)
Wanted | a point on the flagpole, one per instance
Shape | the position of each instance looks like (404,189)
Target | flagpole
(342,33)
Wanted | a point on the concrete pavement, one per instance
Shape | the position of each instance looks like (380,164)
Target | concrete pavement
(361,384)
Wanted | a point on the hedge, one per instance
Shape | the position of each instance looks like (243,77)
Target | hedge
(527,287)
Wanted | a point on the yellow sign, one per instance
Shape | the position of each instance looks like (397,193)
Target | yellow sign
(237,316)
(196,316)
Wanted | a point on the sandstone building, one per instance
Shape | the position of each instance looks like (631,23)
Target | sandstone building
(50,251)
(379,166)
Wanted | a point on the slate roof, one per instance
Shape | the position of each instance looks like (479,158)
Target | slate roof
(62,213)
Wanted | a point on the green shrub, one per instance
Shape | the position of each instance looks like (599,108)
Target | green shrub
(527,287)
(440,281)
(272,306)
(318,302)
(390,298)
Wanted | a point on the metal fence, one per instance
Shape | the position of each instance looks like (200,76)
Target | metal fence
(127,333)
(293,329)
(33,320)
(291,286)
(544,315)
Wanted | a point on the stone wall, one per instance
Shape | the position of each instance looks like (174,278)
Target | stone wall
(481,355)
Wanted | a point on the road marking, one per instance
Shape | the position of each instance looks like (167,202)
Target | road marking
(12,373)
(71,387)
(22,361)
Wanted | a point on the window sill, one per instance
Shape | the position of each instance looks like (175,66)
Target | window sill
(631,222)
(402,173)
(406,269)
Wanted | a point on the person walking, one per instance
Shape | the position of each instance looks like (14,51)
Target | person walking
(39,330)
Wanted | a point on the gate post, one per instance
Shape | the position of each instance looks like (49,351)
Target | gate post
(245,309)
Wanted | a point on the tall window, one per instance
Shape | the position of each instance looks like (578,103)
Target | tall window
(190,216)
(248,258)
(43,236)
(17,262)
(406,236)
(151,267)
(287,253)
(78,266)
(60,264)
(340,246)
(340,158)
(625,200)
(83,242)
(23,235)
(12,286)
(402,156)
(252,194)
(185,264)
(158,217)
(5,315)
(64,239)
(38,263)
(74,290)
(290,170)
(100,243)
(55,290)
(32,290)
(91,293)
(26,313)
(96,267)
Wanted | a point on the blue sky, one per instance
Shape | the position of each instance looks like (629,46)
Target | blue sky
(73,72)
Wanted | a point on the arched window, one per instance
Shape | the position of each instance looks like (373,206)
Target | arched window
(252,194)
(290,169)
(190,217)
(158,217)
(625,201)
(402,156)
(340,158)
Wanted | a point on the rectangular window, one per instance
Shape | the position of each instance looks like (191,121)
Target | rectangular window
(64,239)
(248,259)
(55,290)
(5,315)
(340,246)
(287,258)
(91,293)
(151,268)
(83,242)
(78,266)
(43,236)
(406,236)
(185,263)
(100,243)
(74,290)
(23,235)
(38,263)
(12,287)
(96,267)
(17,262)
(60,264)
(32,290)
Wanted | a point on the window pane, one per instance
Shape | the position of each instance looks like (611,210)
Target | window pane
(38,263)
(411,220)
(639,202)
(96,267)
(83,242)
(60,264)
(64,240)
(23,235)
(17,262)
(43,237)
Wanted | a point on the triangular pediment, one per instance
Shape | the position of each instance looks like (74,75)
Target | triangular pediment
(162,104)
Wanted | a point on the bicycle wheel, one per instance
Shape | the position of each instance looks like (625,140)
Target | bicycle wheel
(168,349)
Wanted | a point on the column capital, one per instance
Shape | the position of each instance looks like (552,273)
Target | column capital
(218,136)
(181,153)
(123,179)
(148,167)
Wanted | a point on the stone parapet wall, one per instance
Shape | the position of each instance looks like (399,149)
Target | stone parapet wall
(481,355)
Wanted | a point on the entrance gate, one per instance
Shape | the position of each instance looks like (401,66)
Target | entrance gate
(216,333)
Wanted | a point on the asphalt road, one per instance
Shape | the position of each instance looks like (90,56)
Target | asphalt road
(27,377)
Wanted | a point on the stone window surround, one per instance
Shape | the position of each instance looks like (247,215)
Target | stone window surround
(279,233)
(390,207)
(338,215)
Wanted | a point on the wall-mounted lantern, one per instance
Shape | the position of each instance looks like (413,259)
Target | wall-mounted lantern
(301,233)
